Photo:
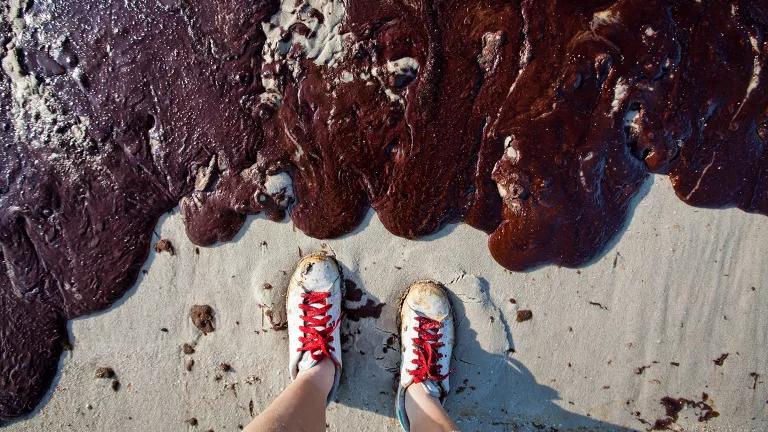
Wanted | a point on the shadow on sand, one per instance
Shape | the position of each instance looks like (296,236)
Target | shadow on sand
(490,391)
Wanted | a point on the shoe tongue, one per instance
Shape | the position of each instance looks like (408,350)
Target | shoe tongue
(306,361)
(432,388)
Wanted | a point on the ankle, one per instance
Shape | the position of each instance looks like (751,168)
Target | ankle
(420,396)
(320,376)
(425,412)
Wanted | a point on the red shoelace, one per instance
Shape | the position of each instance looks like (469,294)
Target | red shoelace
(426,348)
(317,342)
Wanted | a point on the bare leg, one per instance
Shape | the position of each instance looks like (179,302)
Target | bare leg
(301,406)
(425,412)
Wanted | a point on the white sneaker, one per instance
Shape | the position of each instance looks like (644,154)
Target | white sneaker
(313,306)
(426,341)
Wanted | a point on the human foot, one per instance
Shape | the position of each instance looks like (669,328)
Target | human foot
(426,338)
(313,307)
